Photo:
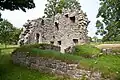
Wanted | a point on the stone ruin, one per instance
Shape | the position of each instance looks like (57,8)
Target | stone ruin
(64,30)
(56,67)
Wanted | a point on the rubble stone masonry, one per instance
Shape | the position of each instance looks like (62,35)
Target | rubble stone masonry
(65,30)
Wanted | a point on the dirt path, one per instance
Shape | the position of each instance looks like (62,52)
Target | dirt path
(112,46)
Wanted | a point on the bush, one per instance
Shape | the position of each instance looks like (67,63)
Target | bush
(86,50)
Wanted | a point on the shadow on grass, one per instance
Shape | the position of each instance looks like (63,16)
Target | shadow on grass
(6,65)
(10,71)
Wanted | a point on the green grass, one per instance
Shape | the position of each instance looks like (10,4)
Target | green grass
(86,50)
(109,65)
(8,46)
(49,54)
(14,72)
(9,71)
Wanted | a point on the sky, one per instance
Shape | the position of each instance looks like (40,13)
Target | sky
(18,17)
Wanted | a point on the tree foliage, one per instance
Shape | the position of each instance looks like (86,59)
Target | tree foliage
(55,6)
(16,5)
(8,33)
(110,13)
(15,35)
(5,31)
(100,28)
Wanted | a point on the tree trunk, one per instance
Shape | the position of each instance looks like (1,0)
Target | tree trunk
(5,45)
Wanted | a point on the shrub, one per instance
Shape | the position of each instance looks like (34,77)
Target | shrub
(86,50)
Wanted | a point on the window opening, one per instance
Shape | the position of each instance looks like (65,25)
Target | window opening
(59,42)
(51,42)
(37,37)
(53,37)
(66,15)
(57,25)
(42,22)
(75,41)
(72,19)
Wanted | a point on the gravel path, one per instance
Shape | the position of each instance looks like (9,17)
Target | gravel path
(116,46)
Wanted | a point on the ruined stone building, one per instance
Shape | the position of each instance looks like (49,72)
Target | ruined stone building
(65,30)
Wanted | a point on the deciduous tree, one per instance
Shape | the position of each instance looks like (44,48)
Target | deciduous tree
(6,29)
(55,6)
(16,5)
(110,13)
(8,33)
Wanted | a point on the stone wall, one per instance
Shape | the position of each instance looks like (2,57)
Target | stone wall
(56,67)
(66,29)
(47,47)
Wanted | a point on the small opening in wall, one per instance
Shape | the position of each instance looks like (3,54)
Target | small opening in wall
(53,37)
(23,34)
(37,37)
(42,22)
(68,35)
(51,42)
(57,25)
(80,19)
(80,32)
(44,37)
(75,41)
(59,42)
(72,19)
(66,15)
(79,26)
(26,37)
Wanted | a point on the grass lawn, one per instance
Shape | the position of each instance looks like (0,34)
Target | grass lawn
(109,65)
(9,71)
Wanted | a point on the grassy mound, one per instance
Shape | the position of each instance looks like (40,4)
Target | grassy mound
(9,71)
(43,46)
(33,51)
(86,50)
(109,65)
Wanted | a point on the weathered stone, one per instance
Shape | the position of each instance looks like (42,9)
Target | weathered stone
(52,66)
(65,30)
(106,51)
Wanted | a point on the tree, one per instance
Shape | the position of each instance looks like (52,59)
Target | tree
(16,5)
(55,6)
(95,39)
(15,35)
(6,32)
(100,28)
(110,13)
(90,39)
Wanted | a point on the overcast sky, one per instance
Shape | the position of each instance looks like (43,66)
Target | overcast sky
(18,18)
